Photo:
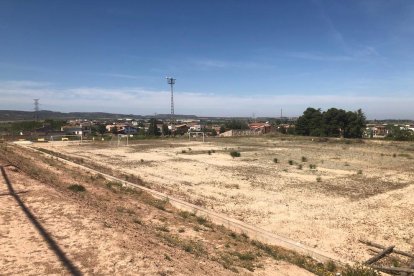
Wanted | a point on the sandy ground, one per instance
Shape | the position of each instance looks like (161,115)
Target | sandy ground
(358,190)
(95,234)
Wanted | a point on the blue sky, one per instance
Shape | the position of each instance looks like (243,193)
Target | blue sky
(230,57)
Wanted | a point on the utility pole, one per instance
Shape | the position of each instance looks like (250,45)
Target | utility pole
(36,108)
(171,82)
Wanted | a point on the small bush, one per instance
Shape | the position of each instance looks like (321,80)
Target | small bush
(299,166)
(275,160)
(235,154)
(77,188)
(319,179)
(138,221)
(330,266)
(290,162)
(359,270)
(359,172)
(183,151)
(142,160)
(394,155)
(209,152)
(304,159)
(163,228)
(312,166)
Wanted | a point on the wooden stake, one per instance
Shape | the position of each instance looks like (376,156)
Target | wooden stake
(383,247)
(380,255)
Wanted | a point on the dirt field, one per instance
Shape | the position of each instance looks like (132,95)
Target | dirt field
(47,228)
(357,190)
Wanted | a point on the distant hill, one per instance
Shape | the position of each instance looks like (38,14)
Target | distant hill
(16,115)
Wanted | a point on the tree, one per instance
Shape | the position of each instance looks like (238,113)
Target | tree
(222,129)
(334,122)
(101,129)
(310,123)
(165,130)
(236,124)
(398,134)
(356,123)
(152,128)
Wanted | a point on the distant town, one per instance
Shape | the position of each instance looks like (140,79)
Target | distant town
(47,125)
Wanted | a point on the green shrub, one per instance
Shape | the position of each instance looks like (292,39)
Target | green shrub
(209,152)
(299,166)
(312,166)
(359,270)
(304,159)
(290,162)
(183,151)
(275,160)
(319,179)
(359,172)
(77,188)
(235,154)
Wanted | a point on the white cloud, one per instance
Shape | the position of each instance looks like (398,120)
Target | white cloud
(20,95)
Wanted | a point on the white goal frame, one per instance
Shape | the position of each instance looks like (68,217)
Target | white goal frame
(196,133)
(119,138)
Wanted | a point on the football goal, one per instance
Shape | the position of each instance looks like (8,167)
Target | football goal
(196,135)
(119,140)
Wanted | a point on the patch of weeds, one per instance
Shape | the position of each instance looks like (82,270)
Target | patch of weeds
(183,151)
(181,230)
(203,221)
(77,188)
(312,166)
(235,154)
(359,172)
(142,160)
(299,166)
(189,149)
(359,270)
(330,266)
(137,221)
(304,159)
(209,152)
(275,160)
(318,179)
(163,228)
(232,186)
(213,151)
(185,214)
(404,155)
(159,204)
(113,184)
(290,162)
(346,164)
(125,210)
(196,228)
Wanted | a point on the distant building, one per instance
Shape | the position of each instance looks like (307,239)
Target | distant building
(262,127)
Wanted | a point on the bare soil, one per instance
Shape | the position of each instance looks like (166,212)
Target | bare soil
(109,230)
(358,189)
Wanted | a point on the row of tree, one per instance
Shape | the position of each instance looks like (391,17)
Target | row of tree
(331,123)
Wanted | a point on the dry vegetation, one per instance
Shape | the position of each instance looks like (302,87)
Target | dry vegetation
(324,193)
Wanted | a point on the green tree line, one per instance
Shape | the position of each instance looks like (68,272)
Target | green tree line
(331,123)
